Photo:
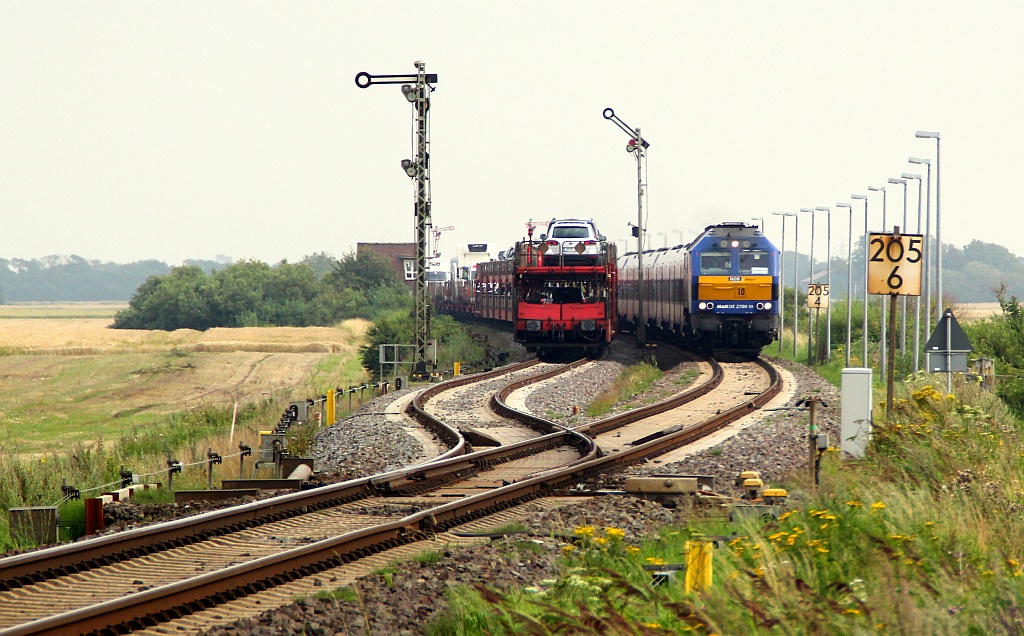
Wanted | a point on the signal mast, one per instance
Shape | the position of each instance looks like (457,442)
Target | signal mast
(637,146)
(416,88)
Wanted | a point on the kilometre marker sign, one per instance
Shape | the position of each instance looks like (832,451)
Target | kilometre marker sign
(894,264)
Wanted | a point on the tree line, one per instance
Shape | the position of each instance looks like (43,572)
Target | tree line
(319,291)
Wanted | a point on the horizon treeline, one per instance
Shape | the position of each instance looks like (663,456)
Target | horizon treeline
(255,294)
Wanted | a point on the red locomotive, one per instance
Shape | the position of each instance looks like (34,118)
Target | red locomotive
(555,293)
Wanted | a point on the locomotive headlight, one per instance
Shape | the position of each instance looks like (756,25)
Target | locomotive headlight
(533,325)
(711,305)
(768,306)
(588,325)
(702,305)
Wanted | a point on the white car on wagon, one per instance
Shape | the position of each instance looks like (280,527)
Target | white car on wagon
(572,242)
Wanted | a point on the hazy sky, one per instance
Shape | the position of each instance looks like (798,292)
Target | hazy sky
(174,130)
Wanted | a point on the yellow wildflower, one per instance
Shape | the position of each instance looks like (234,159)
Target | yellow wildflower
(614,533)
(655,561)
(584,531)
(851,610)
(854,504)
(632,549)
(878,505)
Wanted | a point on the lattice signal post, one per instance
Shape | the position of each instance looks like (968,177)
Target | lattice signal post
(638,147)
(416,88)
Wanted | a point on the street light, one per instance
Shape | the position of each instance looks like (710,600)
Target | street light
(927,244)
(665,241)
(864,361)
(810,281)
(828,276)
(903,299)
(761,219)
(849,279)
(917,300)
(884,344)
(782,284)
(921,134)
(680,233)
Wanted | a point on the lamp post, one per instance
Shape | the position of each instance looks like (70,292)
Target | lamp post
(782,284)
(760,219)
(903,299)
(927,244)
(680,233)
(849,279)
(828,277)
(921,134)
(796,268)
(883,343)
(810,281)
(864,361)
(665,238)
(917,301)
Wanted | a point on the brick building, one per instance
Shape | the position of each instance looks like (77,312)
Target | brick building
(401,255)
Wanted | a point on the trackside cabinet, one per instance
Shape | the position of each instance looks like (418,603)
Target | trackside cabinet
(856,399)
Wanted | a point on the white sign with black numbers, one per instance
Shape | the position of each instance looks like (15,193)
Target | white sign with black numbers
(817,296)
(894,264)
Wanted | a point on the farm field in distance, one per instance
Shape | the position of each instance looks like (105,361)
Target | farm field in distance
(66,377)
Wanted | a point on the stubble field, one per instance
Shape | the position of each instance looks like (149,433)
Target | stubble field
(66,377)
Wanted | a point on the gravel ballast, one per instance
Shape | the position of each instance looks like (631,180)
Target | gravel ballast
(774,445)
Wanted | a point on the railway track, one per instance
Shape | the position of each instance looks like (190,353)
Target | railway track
(140,579)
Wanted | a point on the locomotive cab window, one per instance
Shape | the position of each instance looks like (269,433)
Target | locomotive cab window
(754,262)
(715,263)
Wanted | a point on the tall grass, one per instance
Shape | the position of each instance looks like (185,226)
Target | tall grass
(922,536)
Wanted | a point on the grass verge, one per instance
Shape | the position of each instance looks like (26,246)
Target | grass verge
(632,381)
(922,536)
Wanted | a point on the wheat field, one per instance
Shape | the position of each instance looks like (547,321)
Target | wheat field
(66,376)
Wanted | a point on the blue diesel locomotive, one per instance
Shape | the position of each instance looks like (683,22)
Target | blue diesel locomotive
(720,293)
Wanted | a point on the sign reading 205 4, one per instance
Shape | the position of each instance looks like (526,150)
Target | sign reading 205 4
(894,264)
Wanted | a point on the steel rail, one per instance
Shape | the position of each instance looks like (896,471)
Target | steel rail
(41,565)
(148,608)
(454,438)
(617,421)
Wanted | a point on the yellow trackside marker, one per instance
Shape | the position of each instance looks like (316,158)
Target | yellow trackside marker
(698,565)
(330,406)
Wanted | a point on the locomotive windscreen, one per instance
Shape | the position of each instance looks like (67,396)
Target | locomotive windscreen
(754,262)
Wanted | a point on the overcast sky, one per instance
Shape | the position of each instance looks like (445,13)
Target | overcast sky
(175,130)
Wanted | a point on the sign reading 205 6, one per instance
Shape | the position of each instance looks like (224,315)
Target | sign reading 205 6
(894,264)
